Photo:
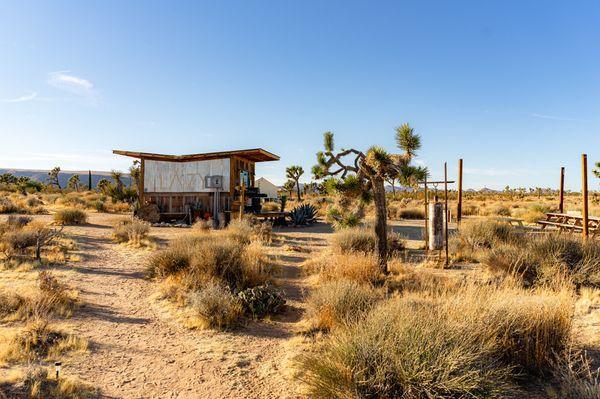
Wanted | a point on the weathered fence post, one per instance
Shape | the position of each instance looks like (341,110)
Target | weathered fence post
(561,200)
(584,193)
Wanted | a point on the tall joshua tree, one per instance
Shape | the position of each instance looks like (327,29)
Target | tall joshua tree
(597,170)
(53,177)
(293,173)
(74,182)
(409,142)
(363,175)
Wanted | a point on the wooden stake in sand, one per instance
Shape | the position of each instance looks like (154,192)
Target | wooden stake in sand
(460,182)
(561,198)
(446,209)
(584,193)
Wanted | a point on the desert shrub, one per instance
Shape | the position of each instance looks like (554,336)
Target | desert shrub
(411,213)
(70,216)
(39,341)
(8,206)
(545,258)
(131,230)
(36,383)
(98,205)
(32,201)
(499,210)
(202,225)
(339,302)
(477,235)
(72,200)
(359,267)
(52,298)
(359,239)
(270,206)
(171,260)
(408,350)
(247,230)
(478,341)
(213,258)
(215,306)
(470,210)
(17,221)
(262,301)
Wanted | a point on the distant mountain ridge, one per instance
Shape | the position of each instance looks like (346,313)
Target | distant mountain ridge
(64,176)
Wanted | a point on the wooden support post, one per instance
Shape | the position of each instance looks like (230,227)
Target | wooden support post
(561,195)
(242,200)
(141,187)
(446,209)
(426,217)
(584,193)
(460,181)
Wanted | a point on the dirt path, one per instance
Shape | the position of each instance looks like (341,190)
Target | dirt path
(137,351)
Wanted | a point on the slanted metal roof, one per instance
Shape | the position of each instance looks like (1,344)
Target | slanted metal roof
(254,155)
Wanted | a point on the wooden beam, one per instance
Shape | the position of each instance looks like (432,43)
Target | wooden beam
(460,188)
(426,217)
(141,187)
(446,209)
(584,193)
(561,195)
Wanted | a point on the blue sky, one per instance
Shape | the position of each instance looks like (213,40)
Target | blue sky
(510,86)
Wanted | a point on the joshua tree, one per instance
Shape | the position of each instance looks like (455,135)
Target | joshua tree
(117,177)
(362,176)
(73,182)
(289,186)
(293,173)
(597,170)
(135,172)
(104,185)
(409,142)
(53,177)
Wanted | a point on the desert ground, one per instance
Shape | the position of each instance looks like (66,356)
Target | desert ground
(138,346)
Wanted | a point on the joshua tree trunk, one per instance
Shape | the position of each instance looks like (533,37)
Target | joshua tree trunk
(298,189)
(380,222)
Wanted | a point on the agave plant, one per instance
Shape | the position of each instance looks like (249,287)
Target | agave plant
(262,300)
(303,215)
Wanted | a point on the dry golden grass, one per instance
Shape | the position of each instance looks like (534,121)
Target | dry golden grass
(50,298)
(36,383)
(70,216)
(39,341)
(471,342)
(358,267)
(200,273)
(132,231)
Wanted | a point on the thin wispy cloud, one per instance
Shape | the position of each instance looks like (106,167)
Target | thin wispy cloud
(65,81)
(553,117)
(27,97)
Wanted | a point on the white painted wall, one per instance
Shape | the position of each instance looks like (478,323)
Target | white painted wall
(180,177)
(266,187)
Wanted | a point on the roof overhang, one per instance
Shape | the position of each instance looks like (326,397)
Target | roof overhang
(254,155)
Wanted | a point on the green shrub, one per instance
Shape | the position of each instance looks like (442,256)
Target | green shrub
(262,300)
(70,216)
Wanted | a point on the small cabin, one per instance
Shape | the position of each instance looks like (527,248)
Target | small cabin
(198,185)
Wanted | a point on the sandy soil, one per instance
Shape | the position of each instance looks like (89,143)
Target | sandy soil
(137,350)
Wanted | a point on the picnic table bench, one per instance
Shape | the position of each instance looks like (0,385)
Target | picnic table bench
(510,220)
(567,222)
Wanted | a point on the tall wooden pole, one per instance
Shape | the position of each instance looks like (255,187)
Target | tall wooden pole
(426,217)
(460,181)
(584,193)
(446,209)
(561,197)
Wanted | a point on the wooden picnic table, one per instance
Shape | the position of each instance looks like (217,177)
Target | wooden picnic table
(567,222)
(510,220)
